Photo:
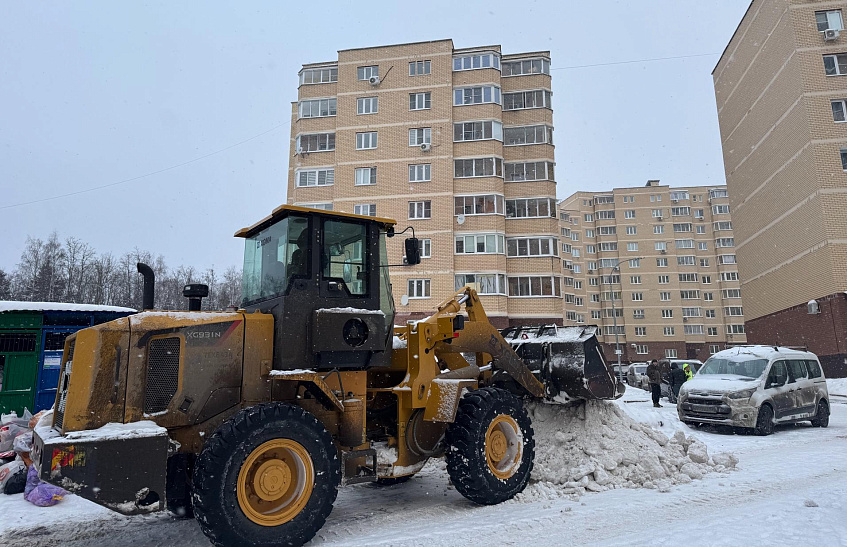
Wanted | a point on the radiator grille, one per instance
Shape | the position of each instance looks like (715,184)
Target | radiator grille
(64,381)
(162,374)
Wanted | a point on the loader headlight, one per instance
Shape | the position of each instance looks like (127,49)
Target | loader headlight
(743,394)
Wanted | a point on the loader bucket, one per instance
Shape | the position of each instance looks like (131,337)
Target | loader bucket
(569,361)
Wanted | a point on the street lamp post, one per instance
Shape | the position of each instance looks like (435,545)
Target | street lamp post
(617,267)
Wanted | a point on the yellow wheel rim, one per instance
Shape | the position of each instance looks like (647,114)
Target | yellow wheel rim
(503,446)
(275,482)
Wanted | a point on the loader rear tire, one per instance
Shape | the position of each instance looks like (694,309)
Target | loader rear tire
(490,446)
(267,477)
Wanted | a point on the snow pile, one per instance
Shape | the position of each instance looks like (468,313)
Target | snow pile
(837,386)
(596,447)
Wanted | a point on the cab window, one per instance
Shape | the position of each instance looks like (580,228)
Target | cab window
(778,375)
(797,370)
(814,368)
(274,257)
(345,255)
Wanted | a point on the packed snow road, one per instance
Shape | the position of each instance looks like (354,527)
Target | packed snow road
(788,489)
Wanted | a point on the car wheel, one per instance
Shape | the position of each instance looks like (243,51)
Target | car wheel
(821,418)
(764,422)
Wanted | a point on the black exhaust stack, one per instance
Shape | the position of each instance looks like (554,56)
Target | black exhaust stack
(195,293)
(149,283)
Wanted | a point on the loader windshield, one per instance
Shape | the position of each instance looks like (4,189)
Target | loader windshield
(274,257)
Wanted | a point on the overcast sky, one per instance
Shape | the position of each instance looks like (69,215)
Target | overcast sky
(94,93)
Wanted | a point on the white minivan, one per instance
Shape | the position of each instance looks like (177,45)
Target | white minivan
(756,387)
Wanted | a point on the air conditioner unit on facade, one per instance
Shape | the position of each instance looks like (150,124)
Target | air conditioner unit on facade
(426,147)
(831,34)
(374,80)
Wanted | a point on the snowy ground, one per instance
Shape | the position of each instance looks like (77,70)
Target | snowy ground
(788,489)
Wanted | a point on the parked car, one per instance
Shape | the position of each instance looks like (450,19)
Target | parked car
(755,387)
(621,371)
(666,369)
(636,375)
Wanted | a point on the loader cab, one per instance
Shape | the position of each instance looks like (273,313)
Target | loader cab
(324,277)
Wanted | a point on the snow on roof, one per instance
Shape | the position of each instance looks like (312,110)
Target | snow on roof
(762,352)
(15,305)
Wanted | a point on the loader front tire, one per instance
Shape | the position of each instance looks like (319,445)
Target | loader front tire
(267,477)
(490,446)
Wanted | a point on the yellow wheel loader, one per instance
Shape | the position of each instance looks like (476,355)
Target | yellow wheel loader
(251,419)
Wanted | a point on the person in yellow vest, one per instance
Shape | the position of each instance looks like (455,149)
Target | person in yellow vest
(689,374)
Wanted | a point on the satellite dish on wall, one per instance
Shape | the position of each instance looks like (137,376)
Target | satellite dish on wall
(460,219)
(404,300)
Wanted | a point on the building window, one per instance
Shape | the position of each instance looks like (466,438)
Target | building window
(613,330)
(318,108)
(720,209)
(366,209)
(731,293)
(477,131)
(692,312)
(420,172)
(659,229)
(531,208)
(699,213)
(657,213)
(419,136)
(661,262)
(629,213)
(667,314)
(829,20)
(679,195)
(590,218)
(589,249)
(535,170)
(706,279)
(634,263)
(712,331)
(319,75)
(478,167)
(425,247)
(844,158)
(723,242)
(670,354)
(321,206)
(632,247)
(606,215)
(595,314)
(668,331)
(367,72)
(315,177)
(366,141)
(607,230)
(479,244)
(689,295)
(687,277)
(635,279)
(418,288)
(420,68)
(482,283)
(664,279)
(838,110)
(476,95)
(680,211)
(526,66)
(685,260)
(735,329)
(367,105)
(641,349)
(713,348)
(708,297)
(420,101)
(637,297)
(733,311)
(701,229)
(631,230)
(684,227)
(640,331)
(589,233)
(486,204)
(320,142)
(684,243)
(528,134)
(660,246)
(702,246)
(710,314)
(729,276)
(726,259)
(521,100)
(472,62)
(665,296)
(655,197)
(534,286)
(530,246)
(721,226)
(365,176)
(609,246)
(420,209)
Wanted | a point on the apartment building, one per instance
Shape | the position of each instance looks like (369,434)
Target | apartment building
(455,143)
(658,265)
(781,91)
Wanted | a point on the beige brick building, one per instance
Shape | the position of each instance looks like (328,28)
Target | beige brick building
(676,293)
(781,90)
(454,142)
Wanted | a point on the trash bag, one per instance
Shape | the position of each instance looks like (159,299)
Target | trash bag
(16,483)
(40,493)
(45,495)
(9,470)
(8,433)
(23,443)
(34,420)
